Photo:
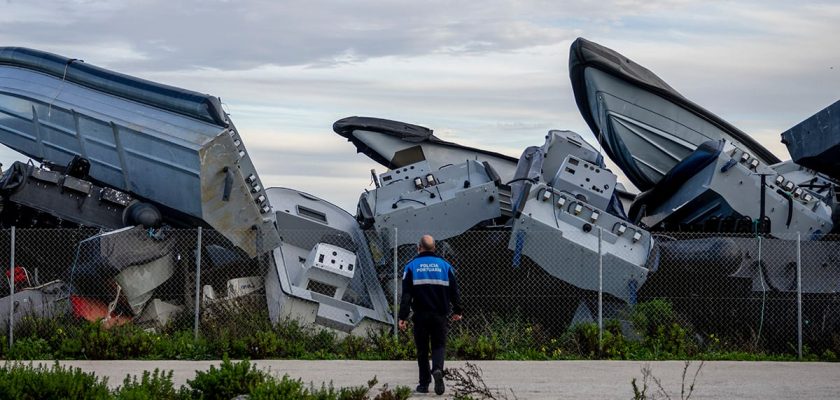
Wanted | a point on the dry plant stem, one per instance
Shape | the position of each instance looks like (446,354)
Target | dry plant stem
(693,380)
(641,394)
(468,381)
(647,374)
(659,386)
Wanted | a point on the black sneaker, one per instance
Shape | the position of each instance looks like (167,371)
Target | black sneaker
(422,389)
(439,386)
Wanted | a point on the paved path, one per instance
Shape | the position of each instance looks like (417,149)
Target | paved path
(543,379)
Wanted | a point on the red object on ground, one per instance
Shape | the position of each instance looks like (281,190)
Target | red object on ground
(95,310)
(20,277)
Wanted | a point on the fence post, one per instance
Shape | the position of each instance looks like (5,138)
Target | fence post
(763,293)
(600,289)
(396,287)
(12,291)
(799,294)
(197,282)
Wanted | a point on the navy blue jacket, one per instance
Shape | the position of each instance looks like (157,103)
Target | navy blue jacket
(429,286)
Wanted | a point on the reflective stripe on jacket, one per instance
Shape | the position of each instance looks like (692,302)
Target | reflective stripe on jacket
(429,286)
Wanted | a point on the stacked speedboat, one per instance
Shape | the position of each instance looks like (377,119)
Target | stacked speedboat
(137,159)
(697,173)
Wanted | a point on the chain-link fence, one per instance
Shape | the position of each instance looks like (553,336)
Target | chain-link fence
(686,292)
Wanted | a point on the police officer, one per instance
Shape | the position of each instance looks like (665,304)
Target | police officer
(428,287)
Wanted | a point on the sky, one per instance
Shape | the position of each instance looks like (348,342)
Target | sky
(491,74)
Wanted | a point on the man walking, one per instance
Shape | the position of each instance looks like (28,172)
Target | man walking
(428,287)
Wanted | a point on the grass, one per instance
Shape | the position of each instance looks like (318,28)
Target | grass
(659,335)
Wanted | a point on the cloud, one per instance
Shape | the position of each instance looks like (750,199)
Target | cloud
(490,74)
(244,35)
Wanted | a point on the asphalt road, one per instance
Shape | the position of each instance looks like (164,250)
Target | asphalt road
(542,379)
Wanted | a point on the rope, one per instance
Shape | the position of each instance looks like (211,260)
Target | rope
(61,87)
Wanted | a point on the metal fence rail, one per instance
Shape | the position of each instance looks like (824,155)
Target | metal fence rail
(735,292)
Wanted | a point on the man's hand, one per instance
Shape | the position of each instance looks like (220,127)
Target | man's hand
(457,317)
(403,324)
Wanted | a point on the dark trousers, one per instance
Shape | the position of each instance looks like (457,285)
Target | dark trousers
(430,328)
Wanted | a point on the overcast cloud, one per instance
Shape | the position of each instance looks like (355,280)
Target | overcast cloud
(491,74)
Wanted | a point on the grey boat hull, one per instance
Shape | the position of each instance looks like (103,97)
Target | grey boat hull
(297,290)
(461,197)
(815,142)
(397,144)
(569,212)
(718,189)
(170,146)
(644,125)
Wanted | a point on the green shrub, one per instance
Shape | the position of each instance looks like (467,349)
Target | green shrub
(512,332)
(467,346)
(616,345)
(662,335)
(285,388)
(672,341)
(385,347)
(663,332)
(227,381)
(223,343)
(399,393)
(294,389)
(347,393)
(53,330)
(647,317)
(45,338)
(322,345)
(298,341)
(262,344)
(151,386)
(181,346)
(582,340)
(352,347)
(832,353)
(4,346)
(229,328)
(30,349)
(52,336)
(506,337)
(18,381)
(69,348)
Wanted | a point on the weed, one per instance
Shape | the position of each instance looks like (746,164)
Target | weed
(151,386)
(663,332)
(647,377)
(294,389)
(180,345)
(30,349)
(468,383)
(285,388)
(662,335)
(384,346)
(18,381)
(465,345)
(227,381)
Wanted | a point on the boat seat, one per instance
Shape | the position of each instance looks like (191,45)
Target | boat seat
(528,171)
(705,154)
